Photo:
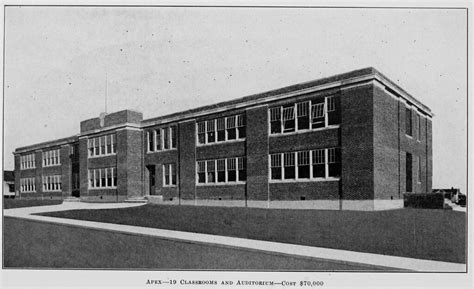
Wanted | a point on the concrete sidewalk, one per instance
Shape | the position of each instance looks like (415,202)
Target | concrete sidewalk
(341,256)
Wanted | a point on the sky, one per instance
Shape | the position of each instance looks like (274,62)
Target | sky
(159,60)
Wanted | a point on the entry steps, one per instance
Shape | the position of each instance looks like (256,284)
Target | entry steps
(71,199)
(136,200)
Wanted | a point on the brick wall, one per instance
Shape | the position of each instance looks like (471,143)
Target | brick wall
(357,151)
(221,192)
(187,157)
(257,153)
(66,170)
(323,190)
(83,169)
(386,145)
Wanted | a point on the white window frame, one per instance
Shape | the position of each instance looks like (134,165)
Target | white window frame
(27,185)
(96,174)
(228,124)
(328,100)
(49,158)
(96,153)
(327,152)
(168,168)
(239,164)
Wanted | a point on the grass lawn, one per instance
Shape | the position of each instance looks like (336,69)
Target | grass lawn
(33,244)
(417,233)
(19,203)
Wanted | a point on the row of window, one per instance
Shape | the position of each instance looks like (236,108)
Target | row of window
(312,114)
(230,170)
(102,145)
(409,123)
(27,185)
(27,162)
(102,178)
(314,164)
(51,158)
(161,139)
(221,129)
(52,183)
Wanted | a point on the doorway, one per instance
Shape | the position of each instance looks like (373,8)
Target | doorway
(151,172)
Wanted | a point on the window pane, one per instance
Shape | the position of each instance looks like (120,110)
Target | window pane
(173,137)
(289,119)
(211,131)
(166,138)
(158,139)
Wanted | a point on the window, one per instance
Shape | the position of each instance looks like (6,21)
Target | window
(51,158)
(319,163)
(317,115)
(241,126)
(409,172)
(52,183)
(314,114)
(302,112)
(169,175)
(76,185)
(173,137)
(289,119)
(275,165)
(418,133)
(289,166)
(275,120)
(201,171)
(104,145)
(334,162)
(418,160)
(303,165)
(211,131)
(408,122)
(27,185)
(158,139)
(211,171)
(28,161)
(108,139)
(331,101)
(231,129)
(242,169)
(315,164)
(201,132)
(231,170)
(221,129)
(166,139)
(151,140)
(102,178)
(221,171)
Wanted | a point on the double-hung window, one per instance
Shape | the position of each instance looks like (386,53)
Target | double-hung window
(211,131)
(317,115)
(221,178)
(289,165)
(169,175)
(231,170)
(211,171)
(201,132)
(201,170)
(166,139)
(303,165)
(418,132)
(51,158)
(275,166)
(158,139)
(289,119)
(151,140)
(319,163)
(275,120)
(102,178)
(231,128)
(334,162)
(102,145)
(174,137)
(302,112)
(221,129)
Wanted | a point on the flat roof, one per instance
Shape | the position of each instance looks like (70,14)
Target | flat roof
(251,99)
